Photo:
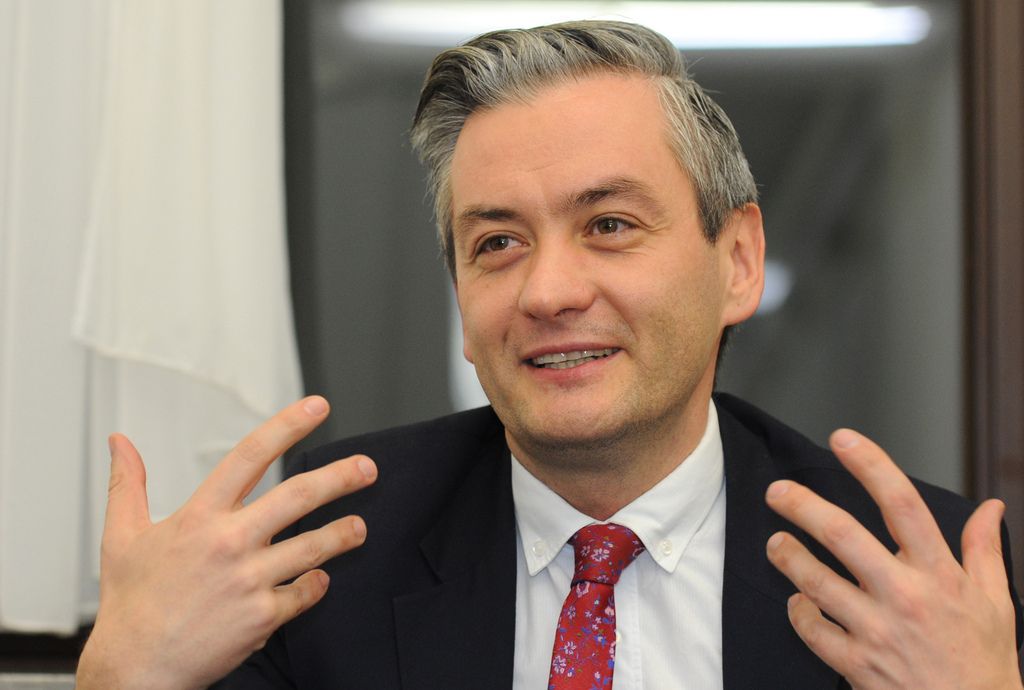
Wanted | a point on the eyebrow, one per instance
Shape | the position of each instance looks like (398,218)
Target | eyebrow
(615,187)
(475,214)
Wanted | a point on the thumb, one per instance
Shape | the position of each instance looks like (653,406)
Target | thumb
(127,503)
(983,548)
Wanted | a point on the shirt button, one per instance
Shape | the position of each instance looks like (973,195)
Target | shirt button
(539,549)
(665,547)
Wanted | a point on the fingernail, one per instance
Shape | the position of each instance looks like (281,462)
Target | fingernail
(324,578)
(791,602)
(367,467)
(777,489)
(315,405)
(775,540)
(845,438)
(110,445)
(359,529)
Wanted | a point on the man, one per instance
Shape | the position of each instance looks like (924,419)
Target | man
(599,220)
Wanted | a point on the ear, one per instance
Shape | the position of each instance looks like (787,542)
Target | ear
(743,256)
(466,352)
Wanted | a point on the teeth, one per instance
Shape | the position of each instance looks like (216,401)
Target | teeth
(568,360)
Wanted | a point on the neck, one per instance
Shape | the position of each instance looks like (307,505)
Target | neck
(599,479)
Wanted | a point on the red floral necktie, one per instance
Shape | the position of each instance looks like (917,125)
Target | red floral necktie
(584,653)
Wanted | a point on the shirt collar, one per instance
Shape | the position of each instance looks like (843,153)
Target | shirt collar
(665,518)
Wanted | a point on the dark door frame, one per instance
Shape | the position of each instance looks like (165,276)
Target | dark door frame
(994,226)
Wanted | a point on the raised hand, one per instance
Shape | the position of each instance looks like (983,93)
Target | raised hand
(185,600)
(919,619)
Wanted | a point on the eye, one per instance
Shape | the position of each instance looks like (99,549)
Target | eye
(497,243)
(610,225)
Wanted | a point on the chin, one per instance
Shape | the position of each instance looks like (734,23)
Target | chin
(571,434)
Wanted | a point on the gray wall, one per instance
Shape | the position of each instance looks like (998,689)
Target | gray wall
(36,681)
(864,207)
(858,157)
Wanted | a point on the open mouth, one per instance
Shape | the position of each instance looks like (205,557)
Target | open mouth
(568,360)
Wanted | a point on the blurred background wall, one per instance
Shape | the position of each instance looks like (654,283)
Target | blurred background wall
(857,151)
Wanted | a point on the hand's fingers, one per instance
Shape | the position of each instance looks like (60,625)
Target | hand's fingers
(296,597)
(309,550)
(826,639)
(242,468)
(983,550)
(833,594)
(906,516)
(301,494)
(835,529)
(127,503)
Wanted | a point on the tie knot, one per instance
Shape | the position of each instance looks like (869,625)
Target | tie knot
(603,551)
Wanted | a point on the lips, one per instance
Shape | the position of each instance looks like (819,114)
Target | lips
(568,360)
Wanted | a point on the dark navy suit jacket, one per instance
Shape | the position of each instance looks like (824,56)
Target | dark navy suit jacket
(428,603)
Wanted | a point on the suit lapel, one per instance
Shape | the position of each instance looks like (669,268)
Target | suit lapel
(759,647)
(461,632)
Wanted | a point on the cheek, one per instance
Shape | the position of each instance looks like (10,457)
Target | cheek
(469,331)
(681,303)
(467,322)
(481,324)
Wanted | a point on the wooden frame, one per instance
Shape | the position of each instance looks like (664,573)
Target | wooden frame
(994,188)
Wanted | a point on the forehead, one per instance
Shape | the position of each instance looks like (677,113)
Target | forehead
(564,138)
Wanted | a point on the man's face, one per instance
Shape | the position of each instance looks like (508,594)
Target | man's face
(591,302)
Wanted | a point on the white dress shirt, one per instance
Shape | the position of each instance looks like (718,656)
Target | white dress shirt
(668,603)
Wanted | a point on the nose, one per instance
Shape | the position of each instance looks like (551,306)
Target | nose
(558,281)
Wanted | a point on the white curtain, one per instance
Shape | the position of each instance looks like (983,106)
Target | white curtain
(143,275)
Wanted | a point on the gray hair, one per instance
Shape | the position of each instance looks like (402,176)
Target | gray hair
(511,66)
